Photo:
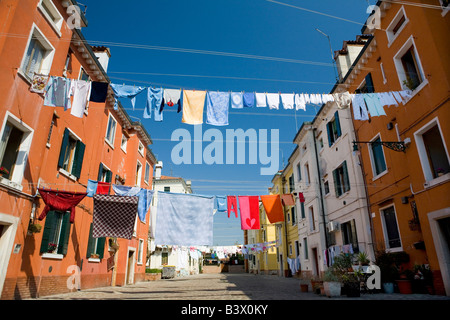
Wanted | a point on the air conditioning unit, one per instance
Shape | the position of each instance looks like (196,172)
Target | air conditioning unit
(333,226)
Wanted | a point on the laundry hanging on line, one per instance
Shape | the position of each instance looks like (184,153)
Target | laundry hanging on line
(60,201)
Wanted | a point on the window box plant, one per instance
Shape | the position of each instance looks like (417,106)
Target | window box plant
(51,247)
(3,171)
(332,283)
(34,228)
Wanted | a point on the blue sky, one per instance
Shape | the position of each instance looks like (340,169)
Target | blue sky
(253,27)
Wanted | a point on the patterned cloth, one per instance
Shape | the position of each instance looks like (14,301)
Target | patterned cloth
(39,83)
(217,108)
(114,216)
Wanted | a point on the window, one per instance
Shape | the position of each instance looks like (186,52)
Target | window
(38,55)
(307,177)
(147,172)
(52,124)
(294,215)
(71,154)
(383,73)
(326,187)
(166,189)
(299,172)
(138,174)
(349,235)
(341,180)
(83,75)
(334,129)
(141,148)
(396,26)
(52,14)
(164,258)
(123,143)
(297,248)
(111,130)
(291,184)
(96,246)
(409,68)
(377,157)
(55,237)
(15,144)
(432,151)
(140,251)
(104,174)
(312,222)
(302,210)
(305,248)
(367,85)
(391,232)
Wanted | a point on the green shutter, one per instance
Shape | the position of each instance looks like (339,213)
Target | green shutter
(49,230)
(108,176)
(100,172)
(101,247)
(336,185)
(62,153)
(302,206)
(78,161)
(65,234)
(330,143)
(338,124)
(346,178)
(91,244)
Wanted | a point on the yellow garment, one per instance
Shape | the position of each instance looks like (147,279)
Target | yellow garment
(193,104)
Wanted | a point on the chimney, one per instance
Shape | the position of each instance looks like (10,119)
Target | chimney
(103,54)
(158,169)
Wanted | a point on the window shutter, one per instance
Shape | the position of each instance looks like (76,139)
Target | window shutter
(65,233)
(336,183)
(108,176)
(338,124)
(329,134)
(91,244)
(100,172)
(302,206)
(354,236)
(346,178)
(101,247)
(369,83)
(78,161)
(49,230)
(62,153)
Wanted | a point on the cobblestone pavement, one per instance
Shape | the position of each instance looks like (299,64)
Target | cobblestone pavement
(240,286)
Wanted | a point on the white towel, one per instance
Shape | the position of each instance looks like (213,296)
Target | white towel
(273,100)
(300,102)
(261,100)
(288,100)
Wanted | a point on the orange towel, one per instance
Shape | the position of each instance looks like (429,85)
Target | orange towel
(273,207)
(193,104)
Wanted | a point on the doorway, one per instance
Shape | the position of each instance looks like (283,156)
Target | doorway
(131,259)
(316,261)
(8,227)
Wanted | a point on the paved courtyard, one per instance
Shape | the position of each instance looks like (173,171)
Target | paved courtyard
(241,286)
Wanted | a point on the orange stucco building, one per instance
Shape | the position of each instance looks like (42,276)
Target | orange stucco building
(48,147)
(408,191)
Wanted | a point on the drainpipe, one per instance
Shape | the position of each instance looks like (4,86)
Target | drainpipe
(314,130)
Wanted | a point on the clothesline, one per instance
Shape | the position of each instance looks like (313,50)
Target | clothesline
(58,92)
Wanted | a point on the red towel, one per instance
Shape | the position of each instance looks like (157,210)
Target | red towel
(103,187)
(249,208)
(60,201)
(288,200)
(232,205)
(301,197)
(273,207)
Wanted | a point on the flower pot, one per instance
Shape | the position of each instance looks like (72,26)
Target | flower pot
(388,287)
(332,289)
(404,286)
(352,289)
(304,288)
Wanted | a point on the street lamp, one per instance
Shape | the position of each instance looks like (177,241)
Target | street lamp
(331,51)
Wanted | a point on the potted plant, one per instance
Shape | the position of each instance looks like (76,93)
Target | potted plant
(389,272)
(34,228)
(94,256)
(331,283)
(3,171)
(316,284)
(423,279)
(352,283)
(440,172)
(363,262)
